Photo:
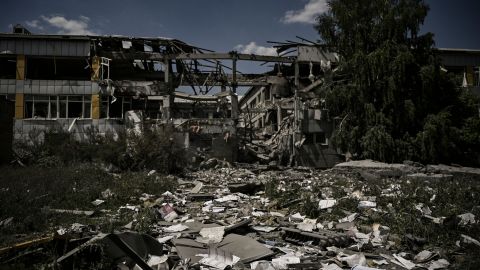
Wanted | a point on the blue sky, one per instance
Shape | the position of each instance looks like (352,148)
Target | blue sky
(220,25)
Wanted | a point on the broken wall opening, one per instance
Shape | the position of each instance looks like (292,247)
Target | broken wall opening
(57,68)
(8,65)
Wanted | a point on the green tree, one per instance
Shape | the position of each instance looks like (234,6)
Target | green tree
(395,100)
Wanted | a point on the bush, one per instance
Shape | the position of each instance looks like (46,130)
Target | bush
(154,149)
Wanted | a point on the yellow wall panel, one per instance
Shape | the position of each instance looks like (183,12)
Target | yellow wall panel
(19,106)
(95,106)
(95,68)
(470,74)
(20,67)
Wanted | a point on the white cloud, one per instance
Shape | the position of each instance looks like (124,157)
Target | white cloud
(308,14)
(253,48)
(69,27)
(34,24)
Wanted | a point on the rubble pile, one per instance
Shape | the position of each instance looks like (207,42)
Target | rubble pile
(358,215)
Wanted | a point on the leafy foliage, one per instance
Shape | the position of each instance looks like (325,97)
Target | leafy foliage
(152,149)
(396,102)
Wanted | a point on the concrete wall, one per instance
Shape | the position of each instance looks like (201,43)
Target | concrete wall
(318,156)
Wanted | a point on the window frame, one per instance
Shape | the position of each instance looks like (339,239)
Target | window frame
(57,100)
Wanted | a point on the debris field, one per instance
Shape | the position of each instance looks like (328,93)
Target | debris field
(357,215)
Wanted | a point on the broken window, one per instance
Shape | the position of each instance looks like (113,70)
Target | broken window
(267,93)
(74,106)
(315,138)
(62,107)
(54,68)
(37,106)
(8,66)
(114,107)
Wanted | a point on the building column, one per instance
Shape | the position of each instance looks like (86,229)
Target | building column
(95,68)
(96,106)
(19,106)
(470,75)
(20,67)
(19,97)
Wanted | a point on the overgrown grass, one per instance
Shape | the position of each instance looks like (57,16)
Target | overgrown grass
(27,193)
(153,149)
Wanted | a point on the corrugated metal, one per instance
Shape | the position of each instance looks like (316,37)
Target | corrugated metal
(48,87)
(40,47)
(460,60)
(315,54)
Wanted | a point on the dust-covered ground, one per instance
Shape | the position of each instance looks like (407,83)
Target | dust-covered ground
(401,216)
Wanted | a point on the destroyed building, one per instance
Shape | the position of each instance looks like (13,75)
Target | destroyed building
(84,83)
(290,112)
(110,84)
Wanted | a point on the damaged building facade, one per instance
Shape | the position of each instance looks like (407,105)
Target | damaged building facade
(289,114)
(111,84)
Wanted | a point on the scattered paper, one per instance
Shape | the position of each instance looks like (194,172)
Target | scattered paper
(324,204)
(218,259)
(264,228)
(349,218)
(97,202)
(156,260)
(197,187)
(176,228)
(277,214)
(297,216)
(424,256)
(168,213)
(353,260)
(331,266)
(262,265)
(165,239)
(308,225)
(366,204)
(283,261)
(404,262)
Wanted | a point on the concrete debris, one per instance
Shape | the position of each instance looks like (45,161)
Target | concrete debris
(97,202)
(283,261)
(6,222)
(467,218)
(469,240)
(290,219)
(211,235)
(439,264)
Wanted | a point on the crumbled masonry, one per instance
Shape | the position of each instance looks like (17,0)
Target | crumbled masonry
(358,215)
